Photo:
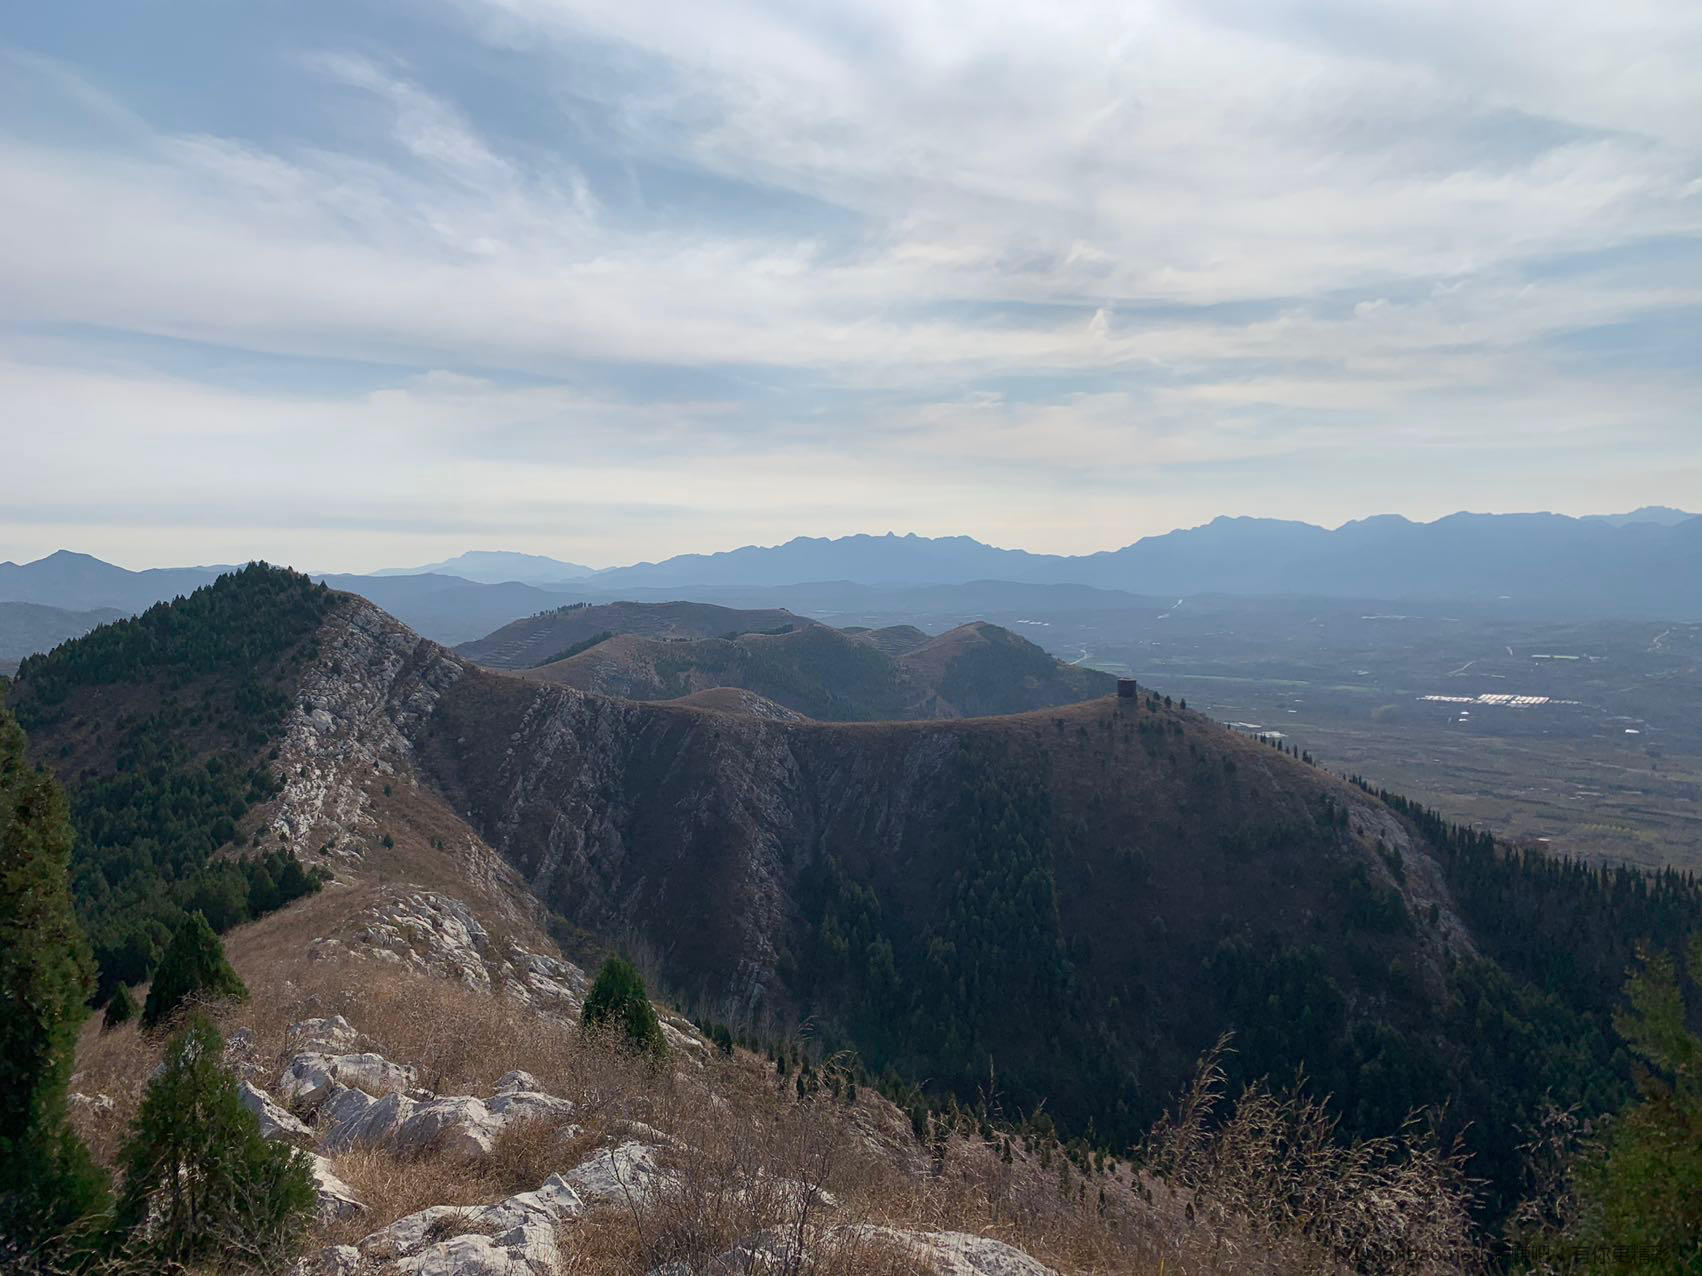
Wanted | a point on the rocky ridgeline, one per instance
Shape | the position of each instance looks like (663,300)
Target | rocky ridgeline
(375,681)
(435,934)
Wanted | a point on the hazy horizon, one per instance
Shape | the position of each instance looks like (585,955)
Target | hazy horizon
(363,567)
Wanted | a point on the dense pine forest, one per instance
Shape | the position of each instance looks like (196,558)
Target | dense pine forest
(1526,1027)
(180,756)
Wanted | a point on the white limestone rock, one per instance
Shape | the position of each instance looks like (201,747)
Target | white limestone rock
(613,1174)
(478,1255)
(961,1253)
(459,1125)
(336,1199)
(524,1105)
(307,1079)
(352,1118)
(456,1125)
(275,1120)
(514,1237)
(332,1034)
(89,1105)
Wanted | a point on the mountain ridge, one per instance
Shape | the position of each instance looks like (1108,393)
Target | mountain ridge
(496,567)
(1533,559)
(1136,877)
(974,670)
(1523,563)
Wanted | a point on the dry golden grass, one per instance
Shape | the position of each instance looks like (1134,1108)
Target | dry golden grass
(394,1187)
(749,1161)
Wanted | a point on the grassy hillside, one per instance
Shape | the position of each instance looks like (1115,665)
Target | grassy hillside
(830,674)
(553,635)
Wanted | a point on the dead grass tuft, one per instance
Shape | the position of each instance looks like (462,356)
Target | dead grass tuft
(526,1152)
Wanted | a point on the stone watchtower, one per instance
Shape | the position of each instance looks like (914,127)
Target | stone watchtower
(1126,690)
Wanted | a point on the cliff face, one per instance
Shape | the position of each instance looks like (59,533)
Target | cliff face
(863,876)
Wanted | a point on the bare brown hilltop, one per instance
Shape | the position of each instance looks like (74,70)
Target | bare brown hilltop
(663,651)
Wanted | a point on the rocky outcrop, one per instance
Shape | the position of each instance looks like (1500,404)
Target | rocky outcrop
(436,934)
(275,1120)
(513,1237)
(407,1120)
(336,1200)
(89,1105)
(961,1253)
(459,1126)
(933,1253)
(373,683)
(332,1035)
(627,1171)
(310,1077)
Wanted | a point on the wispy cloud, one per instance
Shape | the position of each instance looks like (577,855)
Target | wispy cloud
(757,269)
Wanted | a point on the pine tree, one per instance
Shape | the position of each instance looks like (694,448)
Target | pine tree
(618,1001)
(1641,1189)
(194,966)
(47,1181)
(200,1183)
(121,1009)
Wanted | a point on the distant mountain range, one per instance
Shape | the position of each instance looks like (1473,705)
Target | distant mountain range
(1646,564)
(494,567)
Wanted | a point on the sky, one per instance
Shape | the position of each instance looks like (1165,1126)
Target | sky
(352,285)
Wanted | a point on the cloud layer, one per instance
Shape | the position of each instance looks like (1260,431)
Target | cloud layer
(611,281)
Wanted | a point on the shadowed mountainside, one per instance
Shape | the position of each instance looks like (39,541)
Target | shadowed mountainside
(26,628)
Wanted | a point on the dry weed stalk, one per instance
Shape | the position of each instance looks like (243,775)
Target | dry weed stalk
(1270,1186)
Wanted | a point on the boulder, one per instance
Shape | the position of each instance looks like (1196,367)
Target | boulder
(521,1105)
(307,1079)
(478,1255)
(517,1080)
(961,1253)
(336,1199)
(332,1034)
(456,1125)
(350,1118)
(614,1174)
(514,1237)
(275,1121)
